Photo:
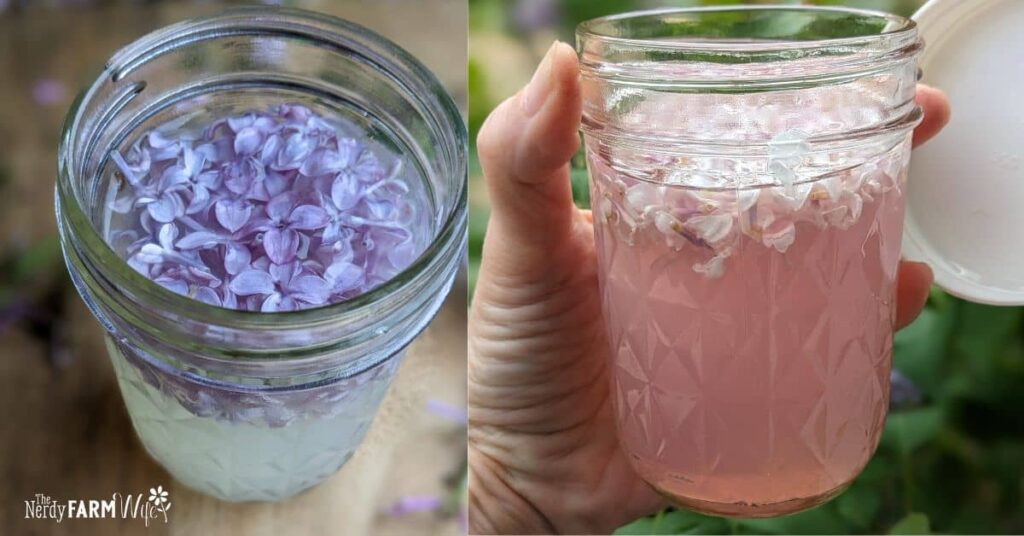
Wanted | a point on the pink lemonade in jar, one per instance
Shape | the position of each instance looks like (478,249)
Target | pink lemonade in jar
(747,170)
(751,362)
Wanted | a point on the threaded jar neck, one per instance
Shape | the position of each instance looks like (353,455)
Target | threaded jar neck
(284,52)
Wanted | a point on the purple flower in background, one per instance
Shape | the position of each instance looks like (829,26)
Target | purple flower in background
(446,410)
(415,504)
(533,15)
(46,91)
(261,211)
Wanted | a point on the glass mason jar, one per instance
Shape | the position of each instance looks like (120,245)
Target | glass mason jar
(747,170)
(243,405)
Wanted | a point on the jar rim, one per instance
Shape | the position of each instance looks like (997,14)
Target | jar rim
(265,20)
(896,26)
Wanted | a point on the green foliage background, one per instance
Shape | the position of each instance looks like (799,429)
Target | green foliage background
(952,464)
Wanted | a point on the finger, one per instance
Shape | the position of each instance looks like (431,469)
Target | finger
(935,105)
(912,285)
(525,147)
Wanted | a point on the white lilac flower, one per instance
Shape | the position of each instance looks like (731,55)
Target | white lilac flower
(712,228)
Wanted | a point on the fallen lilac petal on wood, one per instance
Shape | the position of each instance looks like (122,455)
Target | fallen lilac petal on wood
(448,411)
(415,504)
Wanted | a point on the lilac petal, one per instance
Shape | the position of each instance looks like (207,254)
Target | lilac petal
(345,192)
(272,304)
(381,209)
(402,255)
(248,141)
(348,151)
(124,168)
(236,258)
(282,273)
(304,243)
(322,162)
(202,274)
(192,161)
(321,125)
(310,289)
(167,153)
(367,167)
(281,245)
(200,239)
(264,124)
(295,113)
(167,208)
(296,148)
(344,276)
(208,295)
(209,152)
(158,141)
(150,254)
(280,206)
(252,282)
(271,148)
(275,183)
(210,179)
(139,266)
(174,176)
(230,300)
(146,221)
(200,200)
(233,215)
(332,233)
(168,234)
(235,178)
(239,123)
(174,285)
(308,218)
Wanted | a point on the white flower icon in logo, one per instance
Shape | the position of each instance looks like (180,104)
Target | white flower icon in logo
(158,496)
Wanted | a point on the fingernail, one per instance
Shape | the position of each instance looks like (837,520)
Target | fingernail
(922,266)
(540,85)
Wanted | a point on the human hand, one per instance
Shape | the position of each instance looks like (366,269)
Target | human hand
(544,456)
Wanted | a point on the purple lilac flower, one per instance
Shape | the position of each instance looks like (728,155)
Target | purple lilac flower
(447,411)
(263,211)
(415,504)
(46,91)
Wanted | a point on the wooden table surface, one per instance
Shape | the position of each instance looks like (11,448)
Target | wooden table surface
(63,428)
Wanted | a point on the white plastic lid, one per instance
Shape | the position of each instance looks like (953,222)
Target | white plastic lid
(965,195)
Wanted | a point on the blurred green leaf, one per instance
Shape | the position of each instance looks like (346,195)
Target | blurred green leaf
(915,523)
(984,330)
(859,505)
(479,103)
(906,431)
(676,522)
(38,260)
(822,520)
(919,349)
(580,187)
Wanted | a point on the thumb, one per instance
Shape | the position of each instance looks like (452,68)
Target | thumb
(525,147)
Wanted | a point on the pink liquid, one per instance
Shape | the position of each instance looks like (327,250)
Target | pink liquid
(760,389)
